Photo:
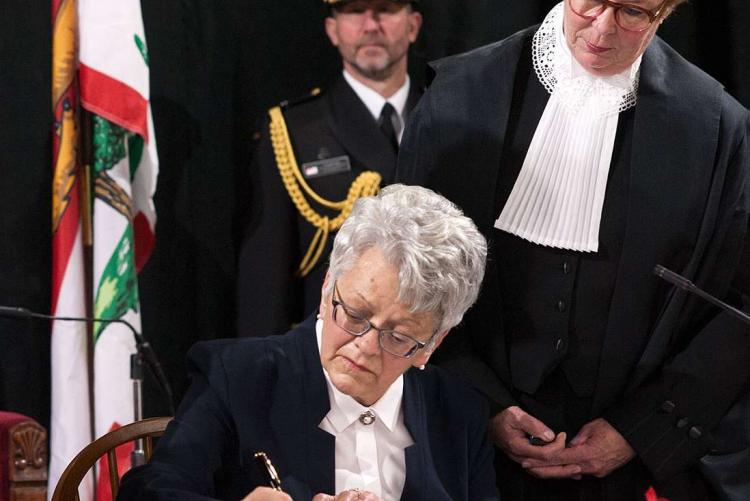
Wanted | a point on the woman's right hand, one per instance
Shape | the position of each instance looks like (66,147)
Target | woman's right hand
(267,494)
(511,428)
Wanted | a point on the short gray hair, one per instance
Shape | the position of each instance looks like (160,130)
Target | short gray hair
(668,6)
(438,252)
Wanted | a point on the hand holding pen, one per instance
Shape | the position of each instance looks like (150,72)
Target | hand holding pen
(272,493)
(268,470)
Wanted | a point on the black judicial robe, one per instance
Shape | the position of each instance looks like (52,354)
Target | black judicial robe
(664,356)
(270,394)
(270,297)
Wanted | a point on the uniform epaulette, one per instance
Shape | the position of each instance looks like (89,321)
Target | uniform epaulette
(307,97)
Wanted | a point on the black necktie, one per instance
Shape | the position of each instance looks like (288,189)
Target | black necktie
(385,122)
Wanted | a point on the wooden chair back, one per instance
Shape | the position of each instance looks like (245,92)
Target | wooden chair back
(23,458)
(147,429)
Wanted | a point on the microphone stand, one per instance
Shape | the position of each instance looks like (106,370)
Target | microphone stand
(685,284)
(144,353)
(138,455)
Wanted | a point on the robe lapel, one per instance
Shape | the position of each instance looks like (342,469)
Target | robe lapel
(357,131)
(486,117)
(672,150)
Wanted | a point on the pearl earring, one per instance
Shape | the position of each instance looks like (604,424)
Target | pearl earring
(421,367)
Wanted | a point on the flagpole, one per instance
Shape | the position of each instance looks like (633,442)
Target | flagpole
(87,155)
(87,230)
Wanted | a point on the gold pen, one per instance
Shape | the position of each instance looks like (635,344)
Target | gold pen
(268,470)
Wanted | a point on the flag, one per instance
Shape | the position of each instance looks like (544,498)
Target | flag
(70,427)
(114,80)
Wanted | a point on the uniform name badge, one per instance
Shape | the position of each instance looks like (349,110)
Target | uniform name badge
(326,167)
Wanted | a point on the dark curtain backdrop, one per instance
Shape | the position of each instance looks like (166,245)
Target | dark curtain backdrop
(215,67)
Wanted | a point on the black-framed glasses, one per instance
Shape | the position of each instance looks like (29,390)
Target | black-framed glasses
(390,341)
(628,16)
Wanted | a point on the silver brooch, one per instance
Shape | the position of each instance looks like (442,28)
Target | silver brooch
(367,417)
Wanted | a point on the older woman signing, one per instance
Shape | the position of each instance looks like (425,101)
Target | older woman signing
(343,405)
(588,151)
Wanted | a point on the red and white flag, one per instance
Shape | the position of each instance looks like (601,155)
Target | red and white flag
(70,427)
(113,76)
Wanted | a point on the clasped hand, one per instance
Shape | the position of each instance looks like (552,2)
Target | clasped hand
(597,449)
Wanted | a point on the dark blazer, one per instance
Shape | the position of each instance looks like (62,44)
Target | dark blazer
(665,355)
(269,394)
(270,298)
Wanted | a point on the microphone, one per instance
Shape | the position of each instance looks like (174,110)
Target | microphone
(143,347)
(15,312)
(685,284)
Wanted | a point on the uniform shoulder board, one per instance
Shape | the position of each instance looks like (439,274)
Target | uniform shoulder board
(288,103)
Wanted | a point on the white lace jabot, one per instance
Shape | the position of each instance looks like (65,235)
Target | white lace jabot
(558,197)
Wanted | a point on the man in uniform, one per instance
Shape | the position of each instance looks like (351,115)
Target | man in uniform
(318,156)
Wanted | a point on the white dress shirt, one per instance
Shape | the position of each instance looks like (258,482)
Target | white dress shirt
(375,102)
(368,456)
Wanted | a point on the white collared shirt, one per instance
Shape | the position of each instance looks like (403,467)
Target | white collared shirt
(375,102)
(368,457)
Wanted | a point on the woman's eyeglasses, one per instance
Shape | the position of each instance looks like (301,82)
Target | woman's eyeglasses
(629,17)
(391,341)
